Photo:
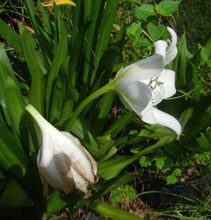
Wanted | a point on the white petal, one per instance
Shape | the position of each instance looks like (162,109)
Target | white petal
(78,144)
(167,78)
(167,120)
(137,95)
(147,114)
(57,171)
(80,182)
(78,158)
(172,49)
(173,37)
(160,48)
(170,55)
(140,70)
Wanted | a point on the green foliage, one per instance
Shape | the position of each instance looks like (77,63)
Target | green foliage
(145,11)
(111,212)
(148,25)
(55,203)
(167,8)
(68,54)
(156,31)
(145,162)
(123,193)
(14,195)
(112,167)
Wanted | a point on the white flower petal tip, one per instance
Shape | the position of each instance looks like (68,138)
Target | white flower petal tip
(168,121)
(162,118)
(173,36)
(62,161)
(171,52)
(167,49)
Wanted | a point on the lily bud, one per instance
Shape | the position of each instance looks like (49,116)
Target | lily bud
(62,161)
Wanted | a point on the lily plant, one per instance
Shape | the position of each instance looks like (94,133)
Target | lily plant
(62,161)
(144,84)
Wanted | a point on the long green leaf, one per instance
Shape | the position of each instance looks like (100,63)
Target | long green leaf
(55,203)
(83,130)
(5,71)
(91,36)
(60,58)
(106,26)
(10,36)
(43,37)
(15,195)
(58,98)
(101,112)
(14,103)
(11,151)
(112,167)
(104,187)
(77,39)
(105,67)
(180,62)
(113,213)
(120,124)
(36,68)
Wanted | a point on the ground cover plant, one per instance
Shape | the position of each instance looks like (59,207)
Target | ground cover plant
(66,67)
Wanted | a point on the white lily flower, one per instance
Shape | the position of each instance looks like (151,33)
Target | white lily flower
(146,83)
(62,161)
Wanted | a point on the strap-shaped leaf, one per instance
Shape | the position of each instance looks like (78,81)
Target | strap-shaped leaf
(95,16)
(58,97)
(14,103)
(5,71)
(43,37)
(60,58)
(77,40)
(101,111)
(55,203)
(120,124)
(106,26)
(107,186)
(36,68)
(113,213)
(11,151)
(15,195)
(180,62)
(83,130)
(10,36)
(112,167)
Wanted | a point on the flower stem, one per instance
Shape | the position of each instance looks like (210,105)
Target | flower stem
(163,141)
(37,116)
(108,87)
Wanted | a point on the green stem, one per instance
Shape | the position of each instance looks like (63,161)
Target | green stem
(163,141)
(185,94)
(108,87)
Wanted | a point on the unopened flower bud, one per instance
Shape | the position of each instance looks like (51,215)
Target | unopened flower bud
(62,161)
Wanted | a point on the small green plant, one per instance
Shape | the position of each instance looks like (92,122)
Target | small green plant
(123,193)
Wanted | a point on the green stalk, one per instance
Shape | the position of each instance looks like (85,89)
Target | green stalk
(163,141)
(108,87)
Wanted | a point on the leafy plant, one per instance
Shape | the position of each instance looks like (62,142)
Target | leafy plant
(54,58)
